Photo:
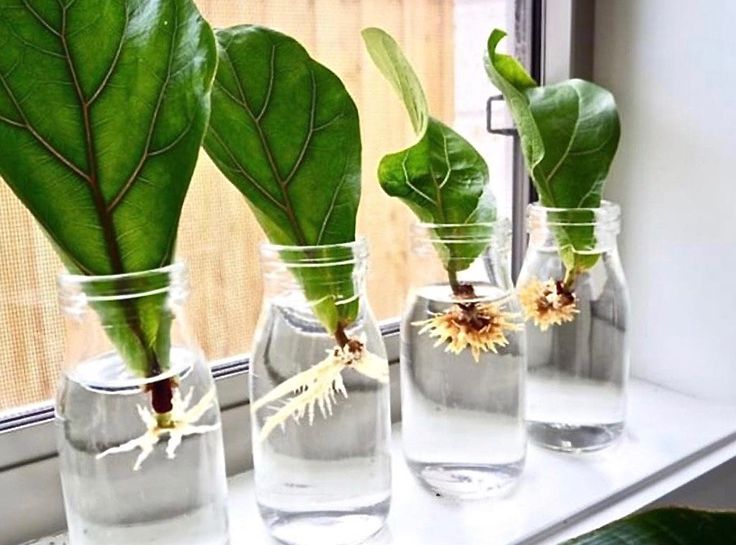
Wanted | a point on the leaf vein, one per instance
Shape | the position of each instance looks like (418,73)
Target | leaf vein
(269,155)
(310,132)
(333,203)
(447,160)
(39,18)
(114,62)
(12,122)
(239,168)
(565,154)
(41,140)
(407,179)
(174,142)
(115,202)
(271,77)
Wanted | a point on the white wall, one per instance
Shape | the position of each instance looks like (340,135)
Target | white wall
(672,66)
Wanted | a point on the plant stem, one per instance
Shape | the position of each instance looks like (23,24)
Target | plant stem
(569,279)
(162,391)
(340,336)
(454,284)
(463,290)
(353,345)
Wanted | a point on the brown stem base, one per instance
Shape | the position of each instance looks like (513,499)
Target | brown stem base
(354,345)
(461,290)
(469,316)
(162,395)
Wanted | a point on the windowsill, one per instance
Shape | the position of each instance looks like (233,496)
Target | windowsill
(670,440)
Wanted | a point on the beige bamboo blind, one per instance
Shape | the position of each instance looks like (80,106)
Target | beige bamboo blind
(218,236)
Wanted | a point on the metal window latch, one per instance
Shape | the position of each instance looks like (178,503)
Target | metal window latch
(505,131)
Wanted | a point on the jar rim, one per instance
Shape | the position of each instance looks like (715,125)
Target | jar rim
(296,256)
(65,277)
(79,289)
(608,213)
(359,243)
(497,230)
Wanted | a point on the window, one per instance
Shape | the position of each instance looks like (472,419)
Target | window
(675,438)
(218,236)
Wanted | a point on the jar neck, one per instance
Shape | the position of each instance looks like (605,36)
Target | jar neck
(162,287)
(309,273)
(132,326)
(476,253)
(591,230)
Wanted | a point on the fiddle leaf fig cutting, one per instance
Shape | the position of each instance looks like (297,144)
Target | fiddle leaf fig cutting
(103,107)
(444,181)
(441,177)
(285,132)
(569,135)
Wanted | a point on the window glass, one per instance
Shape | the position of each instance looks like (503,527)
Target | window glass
(218,237)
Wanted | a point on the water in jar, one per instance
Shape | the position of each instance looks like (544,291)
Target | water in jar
(462,421)
(180,501)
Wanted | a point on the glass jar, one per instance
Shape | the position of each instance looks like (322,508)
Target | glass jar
(319,398)
(577,311)
(463,362)
(138,424)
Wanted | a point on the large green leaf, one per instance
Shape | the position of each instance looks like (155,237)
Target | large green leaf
(442,178)
(103,106)
(285,132)
(669,526)
(569,135)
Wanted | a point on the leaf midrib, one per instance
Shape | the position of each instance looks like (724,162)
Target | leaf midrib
(548,178)
(283,183)
(103,209)
(108,226)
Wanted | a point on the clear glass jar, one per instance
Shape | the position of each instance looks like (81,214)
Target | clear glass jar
(463,362)
(577,328)
(138,425)
(320,422)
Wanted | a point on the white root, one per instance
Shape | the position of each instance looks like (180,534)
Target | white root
(183,423)
(318,387)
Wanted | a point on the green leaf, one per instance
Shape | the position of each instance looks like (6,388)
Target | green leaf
(569,135)
(103,106)
(285,132)
(669,526)
(441,178)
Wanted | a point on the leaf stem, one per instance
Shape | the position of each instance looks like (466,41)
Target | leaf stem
(462,290)
(569,278)
(454,284)
(340,336)
(161,391)
(343,340)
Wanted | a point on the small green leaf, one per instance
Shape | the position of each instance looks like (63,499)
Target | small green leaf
(441,178)
(569,135)
(103,107)
(668,526)
(285,132)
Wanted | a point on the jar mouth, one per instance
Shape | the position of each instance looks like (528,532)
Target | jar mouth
(608,214)
(496,233)
(122,286)
(316,255)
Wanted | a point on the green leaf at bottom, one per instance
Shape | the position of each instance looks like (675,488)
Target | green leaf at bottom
(669,526)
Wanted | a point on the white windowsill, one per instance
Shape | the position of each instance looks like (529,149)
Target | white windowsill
(670,440)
